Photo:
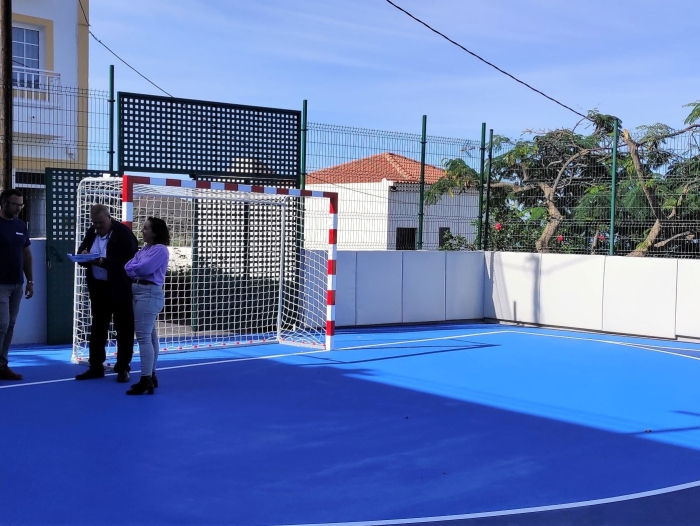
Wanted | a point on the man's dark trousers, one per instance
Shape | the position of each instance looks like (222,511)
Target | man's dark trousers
(104,310)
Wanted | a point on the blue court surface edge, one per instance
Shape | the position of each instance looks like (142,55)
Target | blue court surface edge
(475,424)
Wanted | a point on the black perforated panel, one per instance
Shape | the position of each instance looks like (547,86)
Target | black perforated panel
(169,135)
(61,216)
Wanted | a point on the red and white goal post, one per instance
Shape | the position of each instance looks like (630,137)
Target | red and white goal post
(248,264)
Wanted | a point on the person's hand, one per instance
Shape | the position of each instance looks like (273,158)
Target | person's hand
(99,262)
(85,251)
(29,290)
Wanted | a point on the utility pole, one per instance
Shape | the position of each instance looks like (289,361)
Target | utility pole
(6,88)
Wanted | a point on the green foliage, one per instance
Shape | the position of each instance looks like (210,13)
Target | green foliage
(594,205)
(563,178)
(455,242)
(457,179)
(694,115)
(604,124)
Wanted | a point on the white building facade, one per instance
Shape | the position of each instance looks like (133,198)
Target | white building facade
(50,99)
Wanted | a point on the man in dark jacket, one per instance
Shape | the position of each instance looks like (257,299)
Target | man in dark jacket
(110,292)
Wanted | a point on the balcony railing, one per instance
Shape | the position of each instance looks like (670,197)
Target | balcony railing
(34,84)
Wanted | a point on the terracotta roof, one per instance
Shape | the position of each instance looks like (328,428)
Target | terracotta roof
(390,166)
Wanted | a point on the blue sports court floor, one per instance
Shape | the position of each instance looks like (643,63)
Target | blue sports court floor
(451,424)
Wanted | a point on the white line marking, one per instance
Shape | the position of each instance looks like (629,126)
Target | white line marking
(248,358)
(517,511)
(643,346)
(268,357)
(11,386)
(420,341)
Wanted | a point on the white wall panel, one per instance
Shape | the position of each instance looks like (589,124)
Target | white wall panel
(571,291)
(31,321)
(688,301)
(379,288)
(423,286)
(464,285)
(345,288)
(512,287)
(640,296)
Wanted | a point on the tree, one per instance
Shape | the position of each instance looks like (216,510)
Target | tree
(553,192)
(668,180)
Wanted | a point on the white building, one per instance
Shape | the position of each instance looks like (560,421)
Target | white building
(378,204)
(50,82)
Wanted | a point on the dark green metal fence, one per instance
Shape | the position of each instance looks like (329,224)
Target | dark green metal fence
(377,175)
(554,193)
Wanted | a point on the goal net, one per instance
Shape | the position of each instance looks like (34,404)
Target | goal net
(248,264)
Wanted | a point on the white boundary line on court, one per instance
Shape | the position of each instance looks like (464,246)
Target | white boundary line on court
(268,357)
(384,344)
(183,366)
(517,511)
(643,346)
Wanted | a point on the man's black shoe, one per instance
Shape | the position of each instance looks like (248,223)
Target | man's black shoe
(123,377)
(91,374)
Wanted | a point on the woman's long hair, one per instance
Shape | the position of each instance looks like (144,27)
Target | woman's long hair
(161,234)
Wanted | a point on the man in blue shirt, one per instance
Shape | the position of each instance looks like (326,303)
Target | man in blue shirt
(15,260)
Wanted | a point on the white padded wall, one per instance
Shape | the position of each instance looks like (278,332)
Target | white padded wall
(345,288)
(512,286)
(464,285)
(32,318)
(688,301)
(640,296)
(423,286)
(379,286)
(571,291)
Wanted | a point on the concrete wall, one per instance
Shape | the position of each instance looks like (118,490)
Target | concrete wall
(31,322)
(409,287)
(687,299)
(638,296)
(645,297)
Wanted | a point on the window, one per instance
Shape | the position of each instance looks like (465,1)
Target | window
(26,48)
(31,185)
(405,239)
(443,232)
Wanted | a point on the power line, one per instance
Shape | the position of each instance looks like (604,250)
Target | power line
(84,15)
(118,57)
(486,61)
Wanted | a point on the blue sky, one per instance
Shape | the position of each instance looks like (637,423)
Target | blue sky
(363,63)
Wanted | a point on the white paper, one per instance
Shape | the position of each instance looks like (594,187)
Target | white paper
(83,258)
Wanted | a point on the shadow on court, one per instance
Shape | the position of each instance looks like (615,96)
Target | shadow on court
(297,440)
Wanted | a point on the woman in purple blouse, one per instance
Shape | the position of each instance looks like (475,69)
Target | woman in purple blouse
(147,272)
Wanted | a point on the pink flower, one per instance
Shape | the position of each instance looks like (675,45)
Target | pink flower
(560,238)
(498,226)
(601,237)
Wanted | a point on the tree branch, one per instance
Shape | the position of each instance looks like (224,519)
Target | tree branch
(667,241)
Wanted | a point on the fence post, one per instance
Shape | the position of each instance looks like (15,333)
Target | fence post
(111,118)
(421,198)
(488,193)
(613,195)
(302,161)
(480,222)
